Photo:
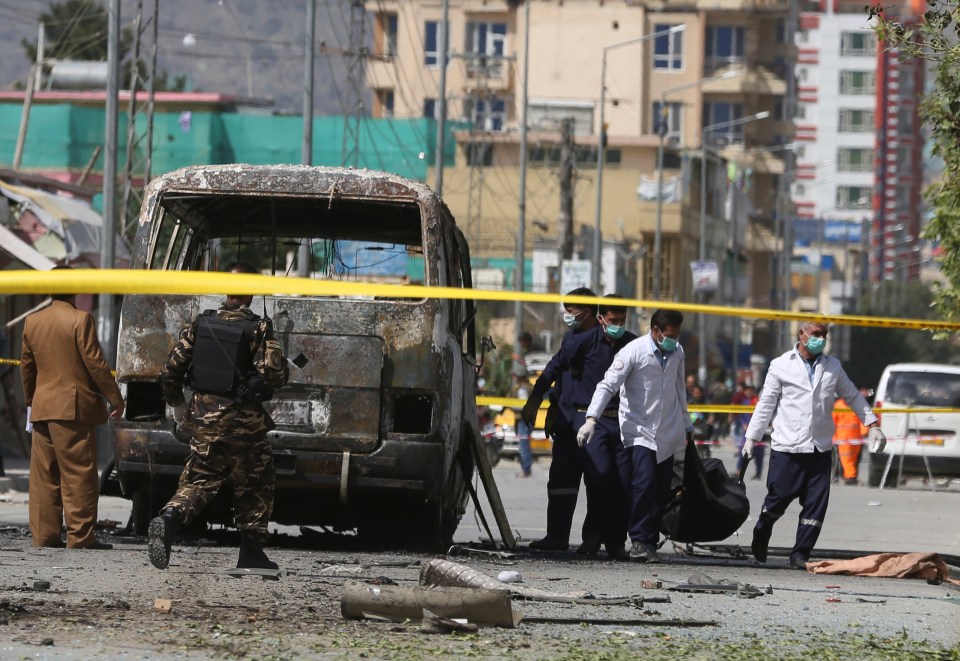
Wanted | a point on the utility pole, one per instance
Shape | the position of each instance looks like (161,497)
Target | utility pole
(33,85)
(356,55)
(306,152)
(109,234)
(441,107)
(139,157)
(522,210)
(566,190)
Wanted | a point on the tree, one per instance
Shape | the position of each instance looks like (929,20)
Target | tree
(932,37)
(873,348)
(76,30)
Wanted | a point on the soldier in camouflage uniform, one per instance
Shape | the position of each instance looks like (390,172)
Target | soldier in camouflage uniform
(228,436)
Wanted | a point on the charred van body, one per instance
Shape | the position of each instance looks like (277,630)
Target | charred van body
(374,428)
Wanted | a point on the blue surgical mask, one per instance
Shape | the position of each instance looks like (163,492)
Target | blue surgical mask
(571,320)
(815,344)
(613,331)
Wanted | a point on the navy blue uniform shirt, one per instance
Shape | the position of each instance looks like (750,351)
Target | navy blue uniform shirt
(586,359)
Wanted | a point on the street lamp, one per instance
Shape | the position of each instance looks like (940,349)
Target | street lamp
(661,129)
(601,144)
(702,254)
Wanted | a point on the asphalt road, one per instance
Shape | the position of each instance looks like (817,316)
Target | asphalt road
(100,604)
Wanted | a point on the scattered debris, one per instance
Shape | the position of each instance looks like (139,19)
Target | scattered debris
(395,603)
(265,574)
(47,642)
(41,586)
(700,582)
(449,573)
(162,605)
(459,549)
(620,621)
(507,576)
(436,624)
(343,571)
(382,580)
(861,600)
(647,584)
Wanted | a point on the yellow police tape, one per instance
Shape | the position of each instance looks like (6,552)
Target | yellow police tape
(511,403)
(135,281)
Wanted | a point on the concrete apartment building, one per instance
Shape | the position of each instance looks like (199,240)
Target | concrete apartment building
(567,44)
(858,186)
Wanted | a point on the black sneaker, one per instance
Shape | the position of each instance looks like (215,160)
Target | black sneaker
(643,552)
(549,544)
(761,540)
(160,537)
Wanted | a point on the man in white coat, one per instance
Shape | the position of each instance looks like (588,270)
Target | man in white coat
(798,395)
(648,374)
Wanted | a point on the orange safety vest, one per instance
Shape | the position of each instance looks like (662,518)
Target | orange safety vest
(847,424)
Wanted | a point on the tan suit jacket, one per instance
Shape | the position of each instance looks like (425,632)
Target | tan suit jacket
(65,376)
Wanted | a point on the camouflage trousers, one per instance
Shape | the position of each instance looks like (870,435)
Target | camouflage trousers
(246,464)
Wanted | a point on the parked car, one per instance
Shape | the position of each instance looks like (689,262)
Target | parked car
(375,426)
(918,444)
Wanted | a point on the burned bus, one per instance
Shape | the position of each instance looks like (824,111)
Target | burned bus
(375,427)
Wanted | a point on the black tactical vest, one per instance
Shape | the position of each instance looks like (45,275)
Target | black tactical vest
(222,362)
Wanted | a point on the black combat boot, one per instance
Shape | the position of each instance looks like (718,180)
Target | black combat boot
(252,555)
(161,532)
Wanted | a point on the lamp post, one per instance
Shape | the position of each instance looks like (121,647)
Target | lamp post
(601,144)
(702,252)
(661,129)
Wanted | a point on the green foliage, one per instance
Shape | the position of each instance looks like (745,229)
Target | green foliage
(76,30)
(873,348)
(934,39)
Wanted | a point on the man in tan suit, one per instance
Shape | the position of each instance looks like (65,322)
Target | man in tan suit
(65,381)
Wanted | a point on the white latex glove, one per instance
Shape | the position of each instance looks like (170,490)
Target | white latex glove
(747,449)
(180,411)
(29,426)
(586,432)
(877,440)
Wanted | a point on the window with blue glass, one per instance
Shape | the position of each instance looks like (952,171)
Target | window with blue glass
(486,43)
(667,49)
(431,47)
(489,114)
(430,108)
(721,114)
(724,46)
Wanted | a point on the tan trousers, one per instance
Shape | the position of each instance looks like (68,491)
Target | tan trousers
(63,483)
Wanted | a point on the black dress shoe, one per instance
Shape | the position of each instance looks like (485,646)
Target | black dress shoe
(550,544)
(761,540)
(97,546)
(798,562)
(590,547)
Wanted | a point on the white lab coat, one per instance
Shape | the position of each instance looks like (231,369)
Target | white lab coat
(653,400)
(804,410)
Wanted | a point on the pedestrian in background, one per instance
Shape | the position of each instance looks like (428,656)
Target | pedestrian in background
(232,362)
(848,438)
(521,390)
(65,381)
(566,464)
(648,374)
(748,397)
(799,390)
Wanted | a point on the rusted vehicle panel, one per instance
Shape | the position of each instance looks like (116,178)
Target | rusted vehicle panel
(380,407)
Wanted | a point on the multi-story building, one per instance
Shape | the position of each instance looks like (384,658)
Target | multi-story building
(857,189)
(731,62)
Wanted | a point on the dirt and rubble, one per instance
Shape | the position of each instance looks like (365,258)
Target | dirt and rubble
(65,604)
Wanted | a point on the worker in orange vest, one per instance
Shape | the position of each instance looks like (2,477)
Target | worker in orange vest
(848,439)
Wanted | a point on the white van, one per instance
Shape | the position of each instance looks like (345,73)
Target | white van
(919,443)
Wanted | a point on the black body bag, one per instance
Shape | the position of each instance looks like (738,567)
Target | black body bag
(706,504)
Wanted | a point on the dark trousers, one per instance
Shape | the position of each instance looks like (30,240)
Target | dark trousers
(650,489)
(797,475)
(606,475)
(563,484)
